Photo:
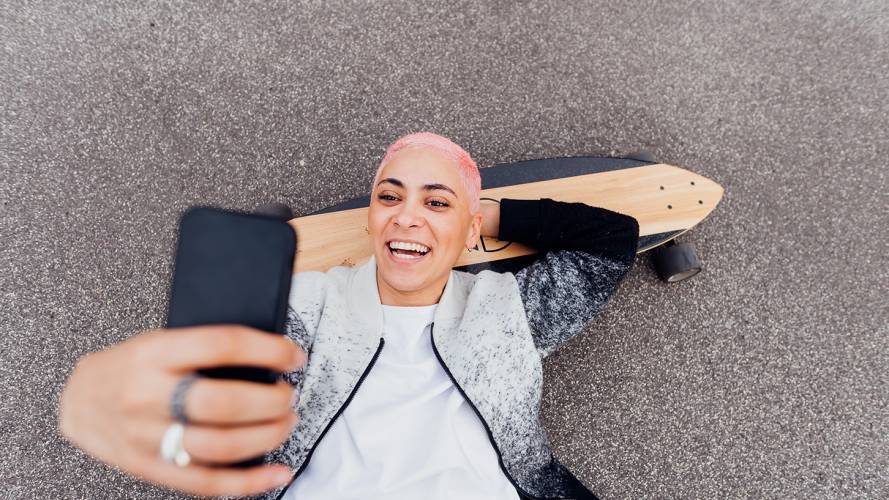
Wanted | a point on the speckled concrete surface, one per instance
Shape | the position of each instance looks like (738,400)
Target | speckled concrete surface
(766,376)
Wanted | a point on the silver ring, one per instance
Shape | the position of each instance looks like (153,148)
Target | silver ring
(172,447)
(177,401)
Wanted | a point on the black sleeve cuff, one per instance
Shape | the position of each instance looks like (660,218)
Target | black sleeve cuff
(519,221)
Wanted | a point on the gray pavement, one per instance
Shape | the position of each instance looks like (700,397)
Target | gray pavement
(767,376)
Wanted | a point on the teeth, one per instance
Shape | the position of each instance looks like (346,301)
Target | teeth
(401,245)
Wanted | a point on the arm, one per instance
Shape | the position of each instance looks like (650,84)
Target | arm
(304,309)
(585,252)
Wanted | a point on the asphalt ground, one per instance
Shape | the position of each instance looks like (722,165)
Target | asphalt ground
(766,376)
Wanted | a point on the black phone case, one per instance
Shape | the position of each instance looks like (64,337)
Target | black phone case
(232,267)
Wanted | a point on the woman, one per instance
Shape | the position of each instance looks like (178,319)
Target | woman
(419,380)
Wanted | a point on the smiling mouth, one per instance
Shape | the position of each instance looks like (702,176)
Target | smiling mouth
(406,255)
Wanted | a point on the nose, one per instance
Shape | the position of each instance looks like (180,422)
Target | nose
(408,215)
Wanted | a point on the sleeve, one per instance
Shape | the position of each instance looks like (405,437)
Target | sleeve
(296,330)
(585,252)
(304,309)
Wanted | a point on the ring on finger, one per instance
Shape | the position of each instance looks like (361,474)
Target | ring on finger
(177,400)
(172,446)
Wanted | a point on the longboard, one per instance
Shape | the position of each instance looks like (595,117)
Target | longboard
(666,200)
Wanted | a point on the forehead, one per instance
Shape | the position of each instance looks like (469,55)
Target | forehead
(422,165)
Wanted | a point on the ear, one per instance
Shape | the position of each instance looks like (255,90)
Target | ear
(475,230)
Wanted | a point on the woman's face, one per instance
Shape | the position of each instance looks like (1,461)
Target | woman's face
(419,198)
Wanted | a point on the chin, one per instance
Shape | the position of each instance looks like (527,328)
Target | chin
(403,279)
(403,284)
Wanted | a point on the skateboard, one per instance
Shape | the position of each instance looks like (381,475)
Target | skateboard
(666,200)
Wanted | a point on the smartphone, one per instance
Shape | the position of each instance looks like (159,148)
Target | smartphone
(232,267)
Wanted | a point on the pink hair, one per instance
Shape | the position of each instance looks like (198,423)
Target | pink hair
(466,167)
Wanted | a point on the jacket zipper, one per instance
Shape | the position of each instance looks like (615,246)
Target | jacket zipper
(373,360)
(485,424)
(332,420)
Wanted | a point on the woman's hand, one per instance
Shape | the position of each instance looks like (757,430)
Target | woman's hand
(490,218)
(115,406)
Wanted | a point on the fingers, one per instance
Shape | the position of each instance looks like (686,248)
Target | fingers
(216,401)
(211,401)
(116,406)
(210,481)
(208,444)
(187,349)
(213,444)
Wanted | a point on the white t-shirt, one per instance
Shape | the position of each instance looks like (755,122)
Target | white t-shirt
(407,433)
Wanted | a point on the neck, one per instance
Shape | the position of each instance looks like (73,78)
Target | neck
(428,296)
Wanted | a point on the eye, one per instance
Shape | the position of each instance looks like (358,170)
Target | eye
(436,203)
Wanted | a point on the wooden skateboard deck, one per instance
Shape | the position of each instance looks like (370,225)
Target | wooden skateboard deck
(665,199)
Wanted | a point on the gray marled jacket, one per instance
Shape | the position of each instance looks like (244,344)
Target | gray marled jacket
(490,332)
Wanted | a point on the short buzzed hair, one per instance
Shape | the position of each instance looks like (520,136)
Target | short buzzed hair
(466,167)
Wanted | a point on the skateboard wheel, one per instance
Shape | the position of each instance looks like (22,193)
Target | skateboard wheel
(278,210)
(676,262)
(646,156)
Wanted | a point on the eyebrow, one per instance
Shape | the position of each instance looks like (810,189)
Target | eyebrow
(426,187)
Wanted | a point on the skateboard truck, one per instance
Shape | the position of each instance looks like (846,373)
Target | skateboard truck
(672,261)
